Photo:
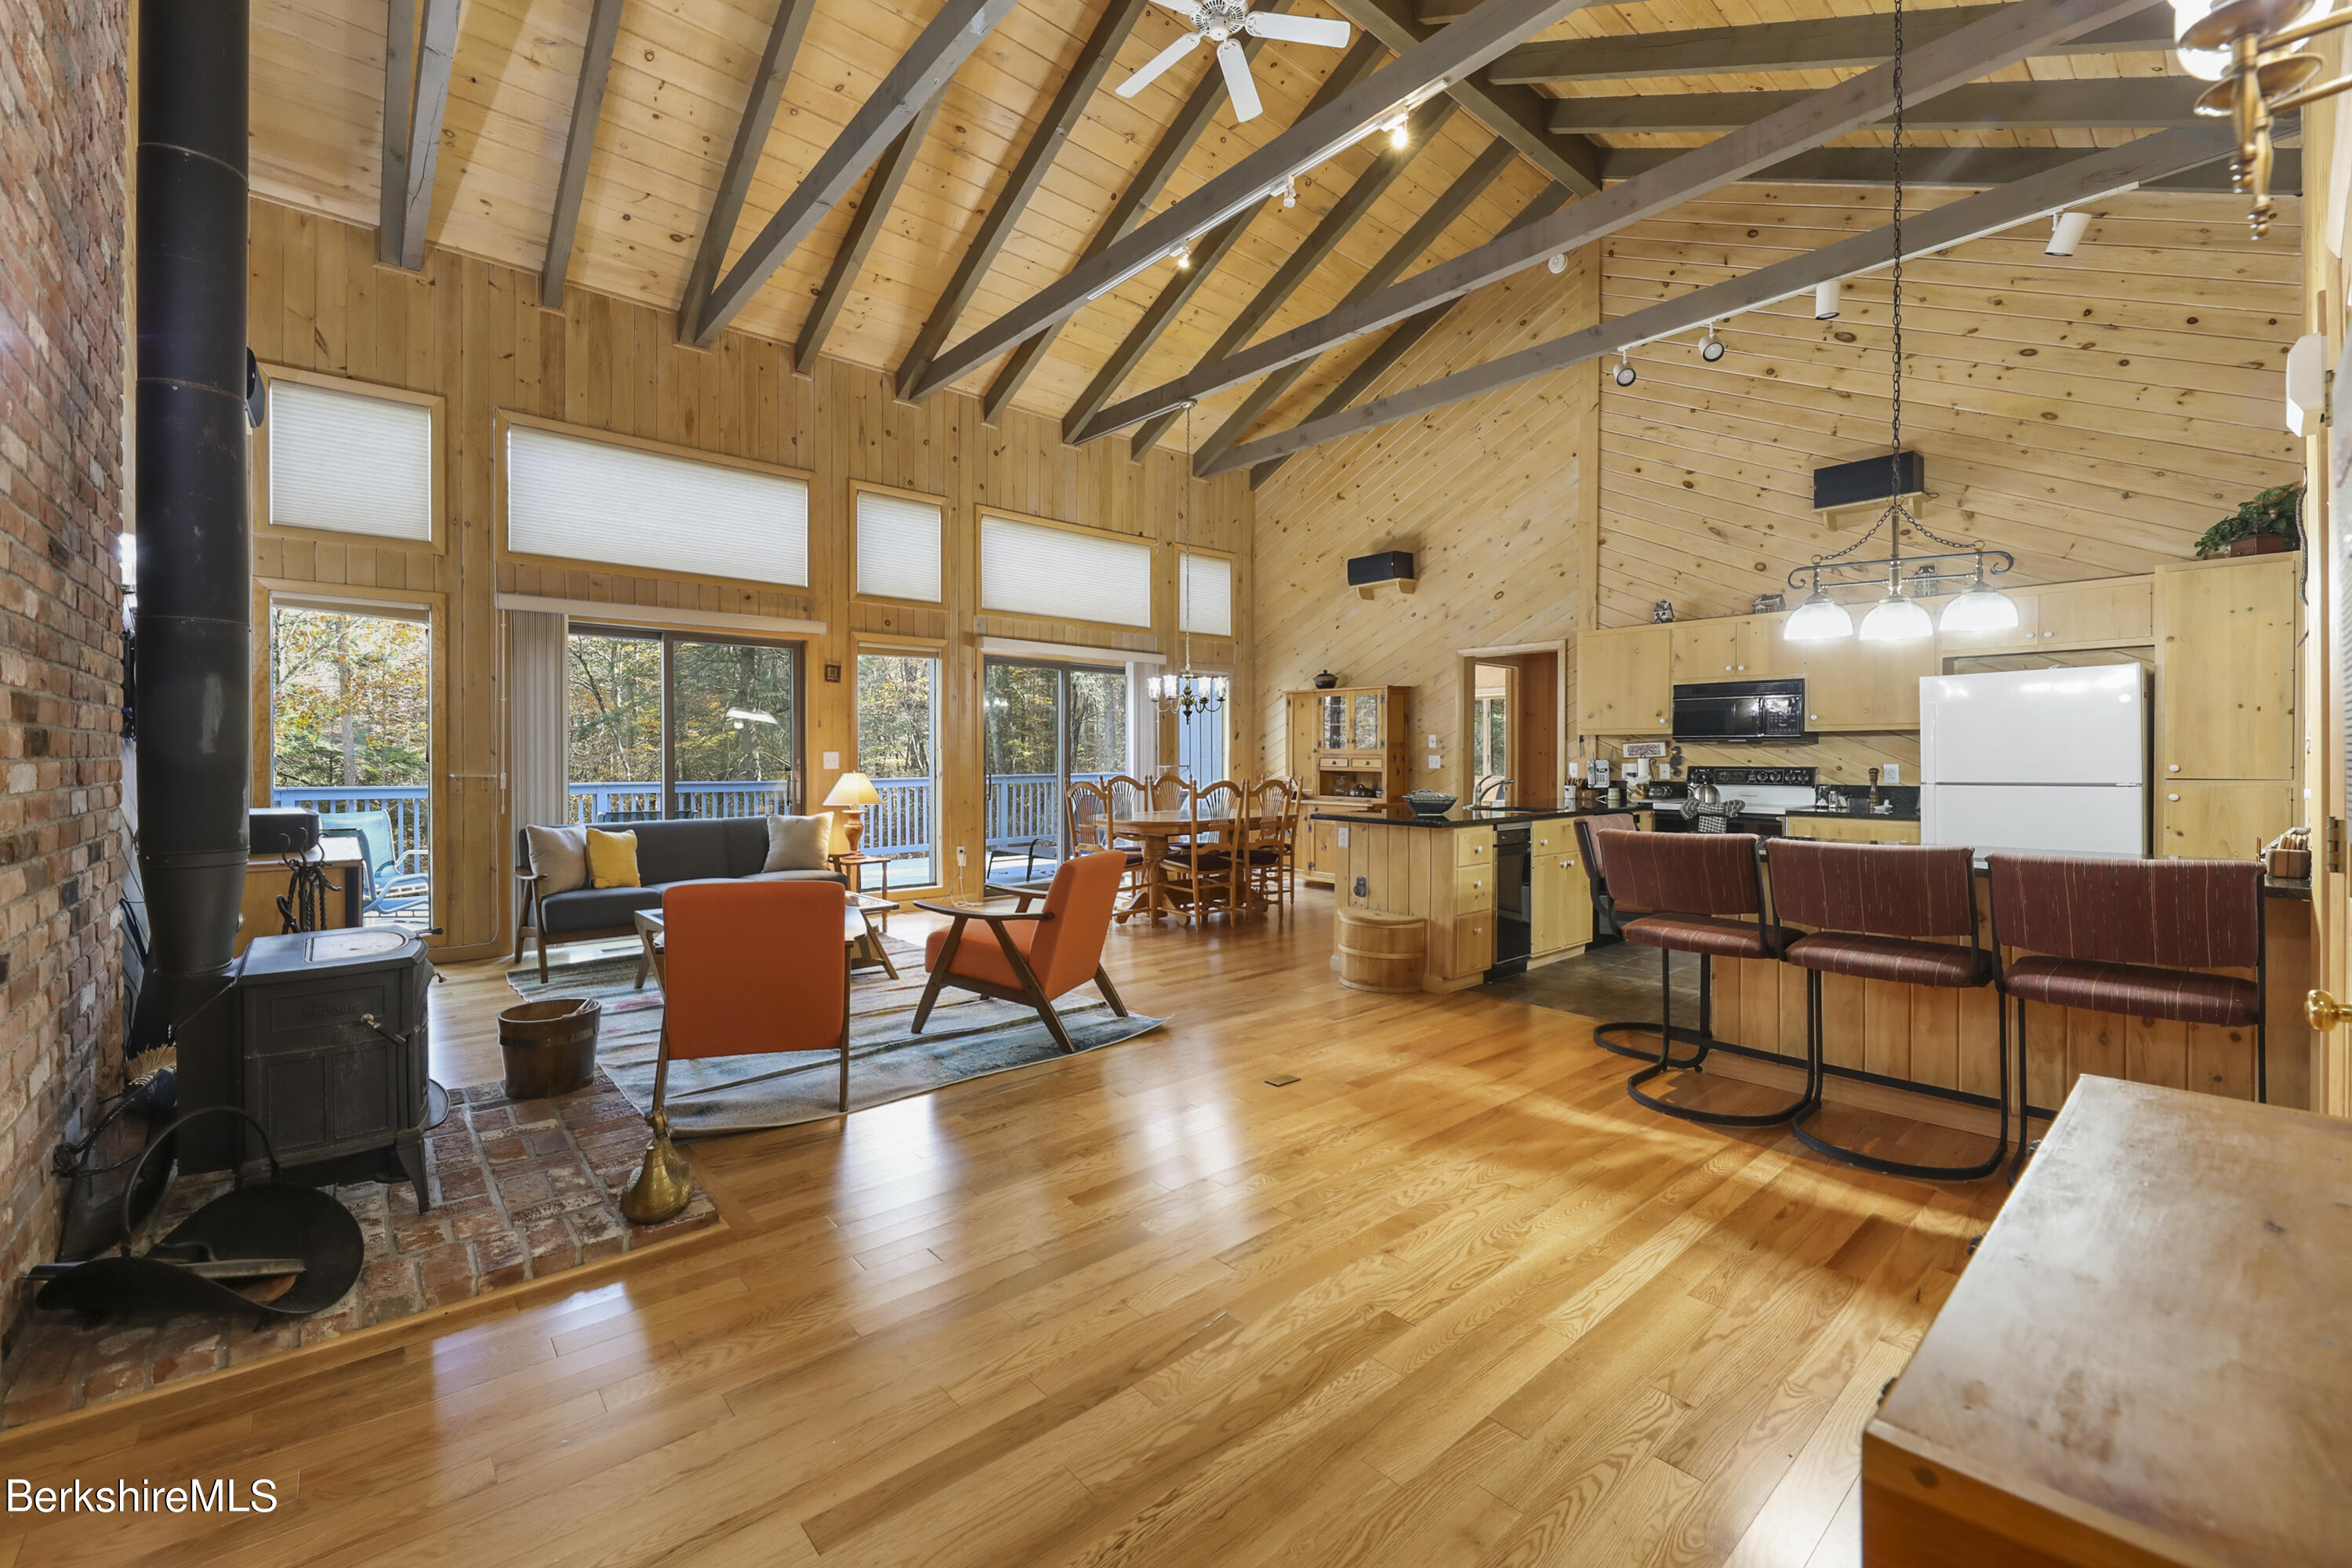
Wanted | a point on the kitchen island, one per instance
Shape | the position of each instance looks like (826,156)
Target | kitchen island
(1493,886)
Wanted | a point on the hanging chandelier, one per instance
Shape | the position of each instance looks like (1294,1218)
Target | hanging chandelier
(2246,48)
(1898,616)
(1189,692)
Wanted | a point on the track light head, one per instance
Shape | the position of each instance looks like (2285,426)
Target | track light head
(1289,191)
(1710,347)
(1625,376)
(1825,301)
(2067,233)
(1182,255)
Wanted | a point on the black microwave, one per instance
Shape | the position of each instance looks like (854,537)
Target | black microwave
(1741,710)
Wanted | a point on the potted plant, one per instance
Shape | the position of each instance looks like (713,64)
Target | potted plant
(2261,526)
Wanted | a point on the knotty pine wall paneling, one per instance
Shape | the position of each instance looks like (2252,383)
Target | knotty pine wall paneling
(472,332)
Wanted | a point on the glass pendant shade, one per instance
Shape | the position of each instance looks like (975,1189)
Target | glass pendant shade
(1896,620)
(1818,620)
(1980,609)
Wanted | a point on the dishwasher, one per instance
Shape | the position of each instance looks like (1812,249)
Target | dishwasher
(1514,901)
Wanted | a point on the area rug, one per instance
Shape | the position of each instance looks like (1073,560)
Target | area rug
(968,1037)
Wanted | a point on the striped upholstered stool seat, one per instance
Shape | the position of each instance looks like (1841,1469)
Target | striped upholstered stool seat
(1898,959)
(1711,934)
(2138,991)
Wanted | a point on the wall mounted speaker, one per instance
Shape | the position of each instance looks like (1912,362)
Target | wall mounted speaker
(1388,566)
(1860,482)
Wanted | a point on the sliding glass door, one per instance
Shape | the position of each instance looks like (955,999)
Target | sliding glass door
(1043,726)
(897,745)
(671,724)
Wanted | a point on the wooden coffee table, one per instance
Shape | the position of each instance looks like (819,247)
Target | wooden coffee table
(857,934)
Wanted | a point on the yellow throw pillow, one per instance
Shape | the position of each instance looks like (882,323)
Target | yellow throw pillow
(612,860)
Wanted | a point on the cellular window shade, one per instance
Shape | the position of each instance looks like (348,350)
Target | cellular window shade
(593,500)
(348,463)
(1204,595)
(898,547)
(1026,569)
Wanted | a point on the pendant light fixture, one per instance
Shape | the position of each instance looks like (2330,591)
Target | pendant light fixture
(1188,691)
(1898,616)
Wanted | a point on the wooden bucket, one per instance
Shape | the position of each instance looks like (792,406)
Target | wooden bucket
(549,1048)
(1381,952)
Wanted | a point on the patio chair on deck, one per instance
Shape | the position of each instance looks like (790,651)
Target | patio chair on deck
(391,886)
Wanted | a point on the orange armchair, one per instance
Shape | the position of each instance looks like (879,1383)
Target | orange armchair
(1037,955)
(748,967)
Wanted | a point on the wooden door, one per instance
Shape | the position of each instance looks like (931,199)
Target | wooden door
(1624,681)
(2208,820)
(1703,650)
(1548,904)
(2228,697)
(1764,653)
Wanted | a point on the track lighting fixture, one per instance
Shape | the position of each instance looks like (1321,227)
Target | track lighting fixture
(2067,233)
(1396,129)
(1182,255)
(1825,301)
(1558,263)
(1710,347)
(1289,190)
(1625,376)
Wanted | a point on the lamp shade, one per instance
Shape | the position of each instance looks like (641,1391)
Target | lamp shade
(1896,620)
(854,789)
(1818,620)
(1980,609)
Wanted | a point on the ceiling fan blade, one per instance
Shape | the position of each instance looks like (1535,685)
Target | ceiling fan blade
(1158,64)
(1246,106)
(1318,30)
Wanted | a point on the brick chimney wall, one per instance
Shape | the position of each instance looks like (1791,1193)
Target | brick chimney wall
(63,267)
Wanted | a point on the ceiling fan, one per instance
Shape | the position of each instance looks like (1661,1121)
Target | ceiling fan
(1225,23)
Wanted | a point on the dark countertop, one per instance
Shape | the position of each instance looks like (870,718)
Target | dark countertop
(1897,816)
(1464,816)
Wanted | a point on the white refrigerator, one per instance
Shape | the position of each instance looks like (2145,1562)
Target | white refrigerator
(2043,761)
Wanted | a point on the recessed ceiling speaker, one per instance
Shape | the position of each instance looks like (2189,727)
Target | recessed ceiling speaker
(1558,263)
(1825,301)
(2067,233)
(2307,382)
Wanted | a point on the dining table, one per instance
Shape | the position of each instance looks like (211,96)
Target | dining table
(1158,832)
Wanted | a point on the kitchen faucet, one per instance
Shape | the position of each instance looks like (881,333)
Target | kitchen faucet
(1491,792)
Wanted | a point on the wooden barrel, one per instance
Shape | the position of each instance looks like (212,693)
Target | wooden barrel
(1380,952)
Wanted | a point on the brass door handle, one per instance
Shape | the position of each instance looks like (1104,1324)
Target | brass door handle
(2324,1012)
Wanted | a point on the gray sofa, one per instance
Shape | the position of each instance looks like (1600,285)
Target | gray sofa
(703,849)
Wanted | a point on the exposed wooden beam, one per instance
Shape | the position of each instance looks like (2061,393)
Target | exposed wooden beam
(399,88)
(1095,59)
(2016,32)
(1175,143)
(918,78)
(1362,57)
(1387,352)
(1515,113)
(1825,43)
(436,53)
(579,145)
(1966,168)
(890,172)
(1301,263)
(750,138)
(2086,179)
(2152,103)
(1410,248)
(1450,53)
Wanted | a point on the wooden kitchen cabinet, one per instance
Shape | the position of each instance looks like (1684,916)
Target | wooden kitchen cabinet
(1853,829)
(1560,914)
(2209,820)
(2117,614)
(1624,681)
(1735,647)
(1855,685)
(2226,679)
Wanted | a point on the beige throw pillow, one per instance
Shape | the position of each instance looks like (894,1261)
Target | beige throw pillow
(799,843)
(560,857)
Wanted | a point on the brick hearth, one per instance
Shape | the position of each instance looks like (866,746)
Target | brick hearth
(521,1190)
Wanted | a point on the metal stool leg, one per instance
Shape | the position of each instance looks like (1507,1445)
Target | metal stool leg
(1814,1030)
(2024,1101)
(1701,1036)
(1664,1063)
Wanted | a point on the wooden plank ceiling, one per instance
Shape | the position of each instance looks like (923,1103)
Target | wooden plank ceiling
(682,70)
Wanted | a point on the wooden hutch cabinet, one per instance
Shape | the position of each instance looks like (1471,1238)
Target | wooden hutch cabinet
(1348,747)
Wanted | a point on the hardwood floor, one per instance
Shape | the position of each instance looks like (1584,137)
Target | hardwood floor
(1451,1298)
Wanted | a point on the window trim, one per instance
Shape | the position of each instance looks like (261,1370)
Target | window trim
(503,420)
(437,408)
(947,536)
(986,619)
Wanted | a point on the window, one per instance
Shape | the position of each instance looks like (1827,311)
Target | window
(344,462)
(1204,594)
(1064,573)
(1201,746)
(897,748)
(898,547)
(674,724)
(1042,726)
(597,500)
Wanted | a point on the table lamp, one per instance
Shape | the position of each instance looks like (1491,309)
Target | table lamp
(854,793)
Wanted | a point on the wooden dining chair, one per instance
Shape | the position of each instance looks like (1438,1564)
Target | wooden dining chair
(1090,811)
(1037,956)
(1206,866)
(747,968)
(1269,832)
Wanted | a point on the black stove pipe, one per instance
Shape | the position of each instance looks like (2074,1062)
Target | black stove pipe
(194,682)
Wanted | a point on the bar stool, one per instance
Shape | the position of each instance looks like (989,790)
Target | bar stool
(2130,937)
(1588,832)
(1703,893)
(1874,910)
